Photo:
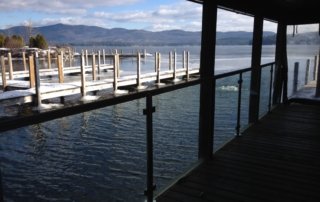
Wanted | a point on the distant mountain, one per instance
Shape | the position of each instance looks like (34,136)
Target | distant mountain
(93,35)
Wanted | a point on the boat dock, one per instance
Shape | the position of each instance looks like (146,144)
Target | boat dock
(21,87)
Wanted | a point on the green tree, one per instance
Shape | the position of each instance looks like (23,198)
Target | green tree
(32,42)
(41,42)
(13,42)
(38,42)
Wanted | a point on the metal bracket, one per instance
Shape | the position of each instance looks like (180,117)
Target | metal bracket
(146,111)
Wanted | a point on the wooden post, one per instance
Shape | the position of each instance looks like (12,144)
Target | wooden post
(62,59)
(155,61)
(70,57)
(115,72)
(3,73)
(31,71)
(104,56)
(83,76)
(49,59)
(183,59)
(99,62)
(139,84)
(174,62)
(187,65)
(295,77)
(94,75)
(175,79)
(207,84)
(158,61)
(174,65)
(87,58)
(60,69)
(170,60)
(255,83)
(306,79)
(24,61)
(118,65)
(315,68)
(10,66)
(37,81)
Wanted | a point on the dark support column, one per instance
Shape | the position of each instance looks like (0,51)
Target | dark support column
(281,67)
(256,70)
(207,86)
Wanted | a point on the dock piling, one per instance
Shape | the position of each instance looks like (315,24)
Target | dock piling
(31,71)
(10,66)
(60,68)
(24,61)
(158,64)
(3,73)
(115,72)
(49,59)
(187,65)
(306,79)
(87,58)
(94,74)
(295,77)
(99,61)
(83,76)
(37,101)
(104,56)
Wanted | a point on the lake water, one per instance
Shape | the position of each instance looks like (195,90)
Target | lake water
(100,155)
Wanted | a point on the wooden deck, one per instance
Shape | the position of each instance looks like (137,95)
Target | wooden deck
(277,159)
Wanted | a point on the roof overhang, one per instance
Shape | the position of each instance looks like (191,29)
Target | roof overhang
(291,12)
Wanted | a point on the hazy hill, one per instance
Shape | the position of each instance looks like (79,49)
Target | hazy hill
(93,35)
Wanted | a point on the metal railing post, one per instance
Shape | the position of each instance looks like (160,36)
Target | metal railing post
(239,104)
(148,112)
(270,88)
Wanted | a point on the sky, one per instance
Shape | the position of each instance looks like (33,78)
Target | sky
(152,15)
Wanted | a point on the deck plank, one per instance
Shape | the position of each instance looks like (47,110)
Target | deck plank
(277,159)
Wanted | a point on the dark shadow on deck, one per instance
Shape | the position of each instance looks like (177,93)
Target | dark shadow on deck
(277,159)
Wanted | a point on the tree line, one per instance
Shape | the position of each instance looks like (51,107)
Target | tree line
(16,41)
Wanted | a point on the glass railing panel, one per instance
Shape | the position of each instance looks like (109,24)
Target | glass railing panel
(266,92)
(99,155)
(176,123)
(225,109)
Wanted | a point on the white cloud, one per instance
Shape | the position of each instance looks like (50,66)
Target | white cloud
(183,15)
(60,6)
